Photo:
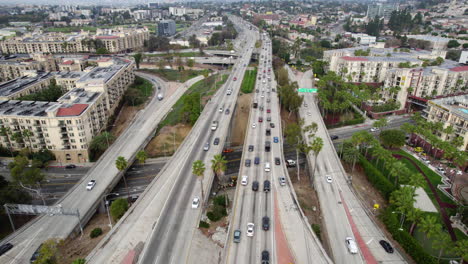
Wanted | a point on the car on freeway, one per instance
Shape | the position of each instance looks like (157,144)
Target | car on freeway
(255,186)
(220,109)
(351,245)
(216,141)
(374,129)
(260,119)
(251,148)
(266,186)
(207,146)
(237,236)
(195,202)
(247,162)
(250,229)
(90,185)
(70,166)
(282,180)
(254,125)
(235,79)
(263,81)
(227,112)
(305,105)
(262,96)
(5,248)
(388,248)
(275,139)
(329,179)
(272,125)
(309,113)
(265,257)
(257,160)
(268,118)
(268,100)
(245,180)
(268,110)
(333,137)
(277,161)
(266,223)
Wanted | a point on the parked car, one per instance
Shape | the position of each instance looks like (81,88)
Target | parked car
(70,166)
(386,246)
(90,185)
(441,170)
(237,236)
(228,150)
(195,202)
(374,129)
(216,141)
(290,163)
(333,137)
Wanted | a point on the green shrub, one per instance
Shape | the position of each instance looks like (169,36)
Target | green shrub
(220,200)
(409,243)
(95,232)
(317,230)
(376,178)
(217,213)
(118,208)
(79,261)
(203,224)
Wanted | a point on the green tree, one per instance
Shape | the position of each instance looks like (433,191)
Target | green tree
(416,180)
(218,165)
(79,261)
(414,215)
(381,154)
(190,63)
(381,123)
(100,143)
(102,51)
(47,253)
(350,153)
(398,169)
(198,169)
(430,226)
(392,138)
(118,208)
(403,199)
(461,249)
(122,164)
(141,156)
(294,138)
(28,134)
(6,132)
(316,146)
(138,58)
(443,243)
(453,44)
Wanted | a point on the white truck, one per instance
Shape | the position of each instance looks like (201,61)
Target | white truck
(160,96)
(214,125)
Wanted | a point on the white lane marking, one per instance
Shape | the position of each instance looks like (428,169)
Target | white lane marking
(368,242)
(17,258)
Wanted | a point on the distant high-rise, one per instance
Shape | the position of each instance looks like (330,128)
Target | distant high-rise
(166,28)
(381,10)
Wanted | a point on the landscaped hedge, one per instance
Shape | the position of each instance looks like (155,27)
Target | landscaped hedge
(409,243)
(376,178)
(95,232)
(347,123)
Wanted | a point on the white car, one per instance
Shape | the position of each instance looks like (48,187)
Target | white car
(207,146)
(220,109)
(195,202)
(90,185)
(254,125)
(329,179)
(244,180)
(374,129)
(351,244)
(309,113)
(250,229)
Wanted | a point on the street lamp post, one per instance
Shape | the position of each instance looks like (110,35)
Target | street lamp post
(106,204)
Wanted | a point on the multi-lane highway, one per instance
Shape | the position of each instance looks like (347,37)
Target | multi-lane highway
(162,219)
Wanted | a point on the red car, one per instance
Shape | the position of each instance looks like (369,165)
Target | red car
(235,78)
(268,111)
(260,119)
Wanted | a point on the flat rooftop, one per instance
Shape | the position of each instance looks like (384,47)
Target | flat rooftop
(25,108)
(101,74)
(79,96)
(455,104)
(69,75)
(11,87)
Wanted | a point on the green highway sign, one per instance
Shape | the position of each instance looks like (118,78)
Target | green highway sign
(306,90)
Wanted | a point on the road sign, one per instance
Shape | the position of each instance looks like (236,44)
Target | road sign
(307,90)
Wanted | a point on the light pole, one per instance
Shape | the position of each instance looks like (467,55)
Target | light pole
(106,204)
(402,220)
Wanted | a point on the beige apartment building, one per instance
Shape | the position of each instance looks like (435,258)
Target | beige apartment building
(115,40)
(16,67)
(451,111)
(25,85)
(66,127)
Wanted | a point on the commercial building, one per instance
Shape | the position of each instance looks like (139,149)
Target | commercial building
(381,10)
(166,28)
(451,111)
(66,127)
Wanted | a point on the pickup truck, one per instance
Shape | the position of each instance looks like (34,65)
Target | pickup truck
(214,125)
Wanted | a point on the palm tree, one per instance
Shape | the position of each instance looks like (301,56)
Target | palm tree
(141,156)
(403,200)
(398,169)
(430,226)
(122,164)
(316,146)
(350,155)
(28,134)
(6,132)
(414,215)
(218,165)
(461,249)
(443,242)
(416,180)
(380,154)
(17,137)
(198,169)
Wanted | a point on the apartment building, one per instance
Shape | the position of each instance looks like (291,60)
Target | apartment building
(25,85)
(12,68)
(451,111)
(381,10)
(166,28)
(114,40)
(66,127)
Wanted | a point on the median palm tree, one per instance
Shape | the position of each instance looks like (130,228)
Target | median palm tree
(316,146)
(218,165)
(122,164)
(198,169)
(141,156)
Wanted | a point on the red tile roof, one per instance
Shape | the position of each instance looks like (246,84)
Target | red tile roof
(107,37)
(460,69)
(74,110)
(354,58)
(68,62)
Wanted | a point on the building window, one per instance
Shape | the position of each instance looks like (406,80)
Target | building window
(68,156)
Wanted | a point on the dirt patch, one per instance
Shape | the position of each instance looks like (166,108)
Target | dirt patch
(166,142)
(241,117)
(288,119)
(125,117)
(80,247)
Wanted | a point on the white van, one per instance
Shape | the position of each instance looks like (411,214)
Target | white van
(267,166)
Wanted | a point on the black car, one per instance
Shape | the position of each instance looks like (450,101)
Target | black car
(255,186)
(70,166)
(256,90)
(266,223)
(216,141)
(227,112)
(247,162)
(265,257)
(266,186)
(277,161)
(251,148)
(4,248)
(333,137)
(272,125)
(257,160)
(386,246)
